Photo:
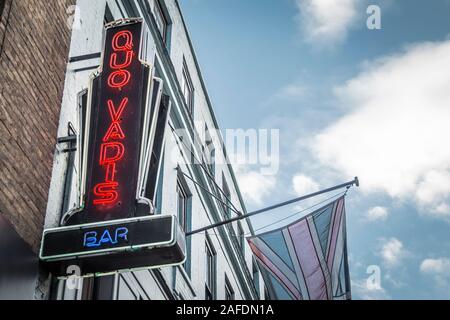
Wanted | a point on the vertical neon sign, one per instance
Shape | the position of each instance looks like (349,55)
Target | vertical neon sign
(116,125)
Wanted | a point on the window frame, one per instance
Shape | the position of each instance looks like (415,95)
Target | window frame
(182,197)
(185,220)
(227,197)
(186,83)
(160,16)
(212,162)
(211,270)
(230,295)
(210,151)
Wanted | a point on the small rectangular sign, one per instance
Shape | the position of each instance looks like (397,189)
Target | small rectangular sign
(101,238)
(117,245)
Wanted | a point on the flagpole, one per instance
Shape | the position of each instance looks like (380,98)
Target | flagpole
(282,204)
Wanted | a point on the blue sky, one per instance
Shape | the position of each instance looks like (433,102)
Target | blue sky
(347,101)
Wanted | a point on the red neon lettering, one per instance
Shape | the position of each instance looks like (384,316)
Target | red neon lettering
(106,193)
(114,132)
(116,113)
(128,59)
(110,172)
(126,37)
(119,79)
(111,152)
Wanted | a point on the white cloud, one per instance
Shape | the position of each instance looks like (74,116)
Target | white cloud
(362,290)
(303,184)
(326,22)
(433,191)
(292,91)
(396,130)
(439,267)
(377,213)
(254,186)
(290,94)
(439,270)
(392,252)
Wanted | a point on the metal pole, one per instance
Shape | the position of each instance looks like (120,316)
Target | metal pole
(215,225)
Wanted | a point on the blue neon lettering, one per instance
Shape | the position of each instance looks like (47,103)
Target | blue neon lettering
(92,240)
(106,238)
(122,233)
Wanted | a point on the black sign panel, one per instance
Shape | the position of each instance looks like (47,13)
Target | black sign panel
(104,247)
(107,237)
(116,126)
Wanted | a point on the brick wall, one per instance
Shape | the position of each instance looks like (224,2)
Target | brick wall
(34,45)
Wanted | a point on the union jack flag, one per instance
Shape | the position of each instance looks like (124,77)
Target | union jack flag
(306,260)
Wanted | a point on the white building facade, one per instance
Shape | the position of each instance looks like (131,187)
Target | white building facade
(219,263)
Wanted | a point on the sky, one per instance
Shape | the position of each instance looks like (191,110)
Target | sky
(347,101)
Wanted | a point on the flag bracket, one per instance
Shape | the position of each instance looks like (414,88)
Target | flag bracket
(348,185)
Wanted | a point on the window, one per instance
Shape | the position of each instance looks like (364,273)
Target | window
(187,88)
(229,292)
(182,204)
(227,198)
(210,151)
(241,238)
(255,272)
(161,20)
(212,162)
(210,285)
